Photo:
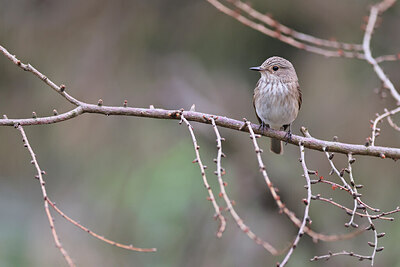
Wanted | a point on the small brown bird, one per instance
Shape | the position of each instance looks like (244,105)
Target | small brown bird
(277,97)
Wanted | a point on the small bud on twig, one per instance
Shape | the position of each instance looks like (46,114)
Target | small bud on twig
(381,235)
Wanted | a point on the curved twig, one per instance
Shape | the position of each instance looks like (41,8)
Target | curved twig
(295,34)
(307,202)
(239,221)
(39,176)
(102,238)
(375,10)
(211,196)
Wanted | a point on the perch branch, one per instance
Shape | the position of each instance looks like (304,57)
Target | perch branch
(310,143)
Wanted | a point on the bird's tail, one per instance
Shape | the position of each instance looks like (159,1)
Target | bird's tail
(276,146)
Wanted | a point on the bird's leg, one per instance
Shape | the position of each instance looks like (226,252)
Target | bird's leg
(263,126)
(288,134)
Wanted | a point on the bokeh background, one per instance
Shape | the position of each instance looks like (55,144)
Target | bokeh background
(132,180)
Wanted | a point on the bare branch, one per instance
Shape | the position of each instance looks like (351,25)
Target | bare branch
(284,38)
(347,186)
(357,197)
(341,187)
(375,130)
(374,12)
(350,211)
(393,124)
(307,202)
(28,67)
(43,120)
(282,207)
(39,176)
(128,247)
(211,197)
(295,34)
(311,143)
(228,202)
(352,254)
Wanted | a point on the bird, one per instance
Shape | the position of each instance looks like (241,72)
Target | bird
(277,97)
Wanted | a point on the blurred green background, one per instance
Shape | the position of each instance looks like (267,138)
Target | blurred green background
(132,180)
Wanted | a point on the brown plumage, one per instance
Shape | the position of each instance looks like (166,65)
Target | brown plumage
(277,97)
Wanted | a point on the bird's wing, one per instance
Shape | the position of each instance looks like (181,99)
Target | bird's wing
(300,97)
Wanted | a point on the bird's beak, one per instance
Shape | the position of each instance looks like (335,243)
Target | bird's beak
(256,68)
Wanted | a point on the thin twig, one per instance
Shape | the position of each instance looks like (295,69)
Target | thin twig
(375,129)
(341,187)
(374,12)
(375,244)
(330,255)
(307,202)
(228,202)
(281,37)
(211,197)
(346,185)
(387,58)
(39,176)
(102,238)
(350,211)
(393,124)
(28,67)
(282,207)
(295,34)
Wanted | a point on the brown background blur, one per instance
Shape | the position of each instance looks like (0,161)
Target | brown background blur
(132,180)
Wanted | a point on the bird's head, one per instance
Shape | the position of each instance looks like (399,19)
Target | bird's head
(277,68)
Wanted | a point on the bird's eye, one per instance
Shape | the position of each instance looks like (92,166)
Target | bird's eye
(275,68)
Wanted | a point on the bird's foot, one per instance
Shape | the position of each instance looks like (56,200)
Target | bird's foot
(263,126)
(288,135)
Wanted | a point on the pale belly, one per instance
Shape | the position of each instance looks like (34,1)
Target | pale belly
(276,107)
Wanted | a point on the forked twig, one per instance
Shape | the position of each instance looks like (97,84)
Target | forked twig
(376,130)
(374,12)
(211,197)
(282,207)
(327,48)
(228,202)
(39,176)
(289,31)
